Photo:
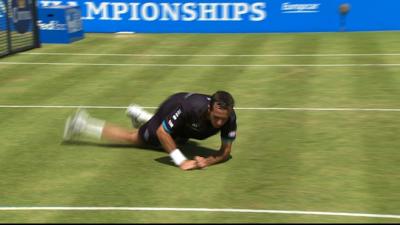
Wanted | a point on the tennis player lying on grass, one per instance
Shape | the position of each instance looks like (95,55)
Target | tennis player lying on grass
(180,117)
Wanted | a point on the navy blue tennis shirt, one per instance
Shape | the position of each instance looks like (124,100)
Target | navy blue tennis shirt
(184,116)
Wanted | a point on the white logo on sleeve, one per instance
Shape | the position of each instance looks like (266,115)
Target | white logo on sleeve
(176,115)
(170,124)
(232,134)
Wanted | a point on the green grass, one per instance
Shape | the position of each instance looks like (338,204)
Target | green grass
(330,161)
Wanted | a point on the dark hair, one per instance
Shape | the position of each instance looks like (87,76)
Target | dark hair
(223,99)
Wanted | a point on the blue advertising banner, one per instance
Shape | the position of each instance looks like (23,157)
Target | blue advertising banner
(235,16)
(19,15)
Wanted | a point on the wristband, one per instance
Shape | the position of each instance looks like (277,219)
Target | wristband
(177,157)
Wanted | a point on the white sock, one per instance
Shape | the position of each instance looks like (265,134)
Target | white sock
(94,128)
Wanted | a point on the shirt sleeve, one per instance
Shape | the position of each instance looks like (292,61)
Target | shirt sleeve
(174,120)
(228,131)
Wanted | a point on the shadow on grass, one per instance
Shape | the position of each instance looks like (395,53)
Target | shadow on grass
(190,150)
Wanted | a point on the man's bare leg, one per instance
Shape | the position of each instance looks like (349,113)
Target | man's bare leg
(121,135)
(82,124)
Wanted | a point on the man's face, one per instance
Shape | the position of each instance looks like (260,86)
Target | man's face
(218,116)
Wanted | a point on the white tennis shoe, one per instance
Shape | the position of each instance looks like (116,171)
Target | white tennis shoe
(137,115)
(75,124)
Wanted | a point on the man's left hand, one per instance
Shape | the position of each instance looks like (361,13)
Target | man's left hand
(201,161)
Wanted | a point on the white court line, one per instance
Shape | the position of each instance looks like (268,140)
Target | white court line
(197,210)
(203,65)
(236,108)
(210,55)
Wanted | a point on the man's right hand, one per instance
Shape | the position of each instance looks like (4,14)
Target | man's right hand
(189,165)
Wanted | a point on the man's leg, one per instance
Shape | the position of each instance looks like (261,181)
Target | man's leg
(118,134)
(82,124)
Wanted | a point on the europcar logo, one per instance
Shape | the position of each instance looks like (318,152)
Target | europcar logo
(21,15)
(288,7)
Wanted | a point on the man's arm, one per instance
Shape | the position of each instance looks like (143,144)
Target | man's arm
(220,156)
(169,146)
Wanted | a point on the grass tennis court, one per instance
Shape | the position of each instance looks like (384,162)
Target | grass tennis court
(318,128)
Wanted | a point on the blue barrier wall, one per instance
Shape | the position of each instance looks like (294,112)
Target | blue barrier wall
(235,16)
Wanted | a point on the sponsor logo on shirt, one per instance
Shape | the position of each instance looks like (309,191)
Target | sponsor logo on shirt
(195,126)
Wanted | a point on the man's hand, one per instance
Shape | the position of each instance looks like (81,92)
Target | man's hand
(189,165)
(201,161)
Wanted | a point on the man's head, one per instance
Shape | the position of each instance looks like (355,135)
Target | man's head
(220,108)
